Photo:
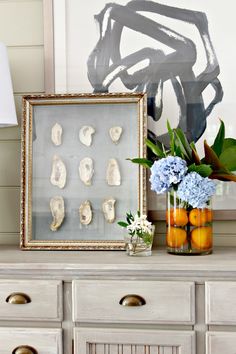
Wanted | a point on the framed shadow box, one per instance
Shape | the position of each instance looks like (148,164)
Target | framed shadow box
(76,179)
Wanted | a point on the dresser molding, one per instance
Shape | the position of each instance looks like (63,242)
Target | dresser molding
(68,265)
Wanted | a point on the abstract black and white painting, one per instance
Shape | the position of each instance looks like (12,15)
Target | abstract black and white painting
(180,52)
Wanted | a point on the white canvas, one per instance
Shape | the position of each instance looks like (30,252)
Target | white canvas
(82,34)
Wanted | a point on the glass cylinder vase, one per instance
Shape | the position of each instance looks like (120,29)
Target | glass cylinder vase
(188,229)
(139,245)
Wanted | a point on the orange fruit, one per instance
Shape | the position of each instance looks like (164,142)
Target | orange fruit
(209,215)
(177,216)
(201,237)
(176,237)
(199,217)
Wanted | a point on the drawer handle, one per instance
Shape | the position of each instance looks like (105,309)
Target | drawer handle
(24,349)
(18,299)
(132,300)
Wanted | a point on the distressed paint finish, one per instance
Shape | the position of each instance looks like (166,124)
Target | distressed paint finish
(133,341)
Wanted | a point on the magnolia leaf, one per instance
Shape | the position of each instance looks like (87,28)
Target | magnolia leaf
(195,156)
(178,152)
(203,170)
(212,159)
(154,148)
(122,223)
(144,162)
(228,142)
(172,138)
(228,158)
(183,143)
(223,176)
(219,140)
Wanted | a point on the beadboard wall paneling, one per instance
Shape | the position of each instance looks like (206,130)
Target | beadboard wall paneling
(9,238)
(12,133)
(25,25)
(27,68)
(21,29)
(9,163)
(9,209)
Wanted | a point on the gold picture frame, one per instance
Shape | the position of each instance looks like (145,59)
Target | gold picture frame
(53,192)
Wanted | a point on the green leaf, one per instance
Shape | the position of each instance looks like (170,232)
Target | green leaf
(172,138)
(228,142)
(228,158)
(212,159)
(122,224)
(129,217)
(154,148)
(219,140)
(147,238)
(144,162)
(203,170)
(183,143)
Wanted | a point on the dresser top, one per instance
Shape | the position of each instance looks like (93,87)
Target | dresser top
(67,263)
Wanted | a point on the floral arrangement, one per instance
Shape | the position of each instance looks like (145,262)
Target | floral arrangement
(138,227)
(180,167)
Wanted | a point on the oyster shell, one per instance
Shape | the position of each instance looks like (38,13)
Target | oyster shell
(108,208)
(115,134)
(85,135)
(85,213)
(113,176)
(58,175)
(56,134)
(58,212)
(86,171)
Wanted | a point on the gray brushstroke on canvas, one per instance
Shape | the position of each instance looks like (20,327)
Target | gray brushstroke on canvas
(176,66)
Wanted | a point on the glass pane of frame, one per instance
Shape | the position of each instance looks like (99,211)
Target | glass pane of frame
(76,179)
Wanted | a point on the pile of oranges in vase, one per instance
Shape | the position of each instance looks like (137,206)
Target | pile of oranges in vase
(188,229)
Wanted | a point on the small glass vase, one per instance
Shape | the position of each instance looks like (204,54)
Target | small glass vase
(188,230)
(139,246)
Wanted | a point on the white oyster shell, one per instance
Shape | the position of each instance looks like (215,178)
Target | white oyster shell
(108,208)
(115,134)
(56,134)
(86,171)
(58,175)
(85,135)
(85,213)
(113,176)
(58,212)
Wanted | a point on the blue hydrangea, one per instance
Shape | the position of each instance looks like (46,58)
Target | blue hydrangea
(196,190)
(166,172)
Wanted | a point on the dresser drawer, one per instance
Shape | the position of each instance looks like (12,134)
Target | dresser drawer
(33,300)
(220,342)
(163,302)
(221,302)
(36,340)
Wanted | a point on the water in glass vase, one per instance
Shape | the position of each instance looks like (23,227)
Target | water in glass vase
(139,246)
(188,229)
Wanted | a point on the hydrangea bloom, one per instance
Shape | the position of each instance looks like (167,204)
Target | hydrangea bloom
(196,190)
(140,224)
(166,172)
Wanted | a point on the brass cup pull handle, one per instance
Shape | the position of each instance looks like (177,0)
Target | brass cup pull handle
(24,349)
(132,300)
(18,299)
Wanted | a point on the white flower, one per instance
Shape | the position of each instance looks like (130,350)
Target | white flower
(140,224)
